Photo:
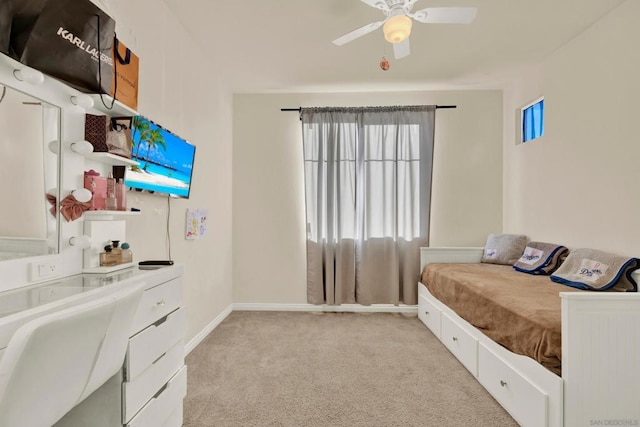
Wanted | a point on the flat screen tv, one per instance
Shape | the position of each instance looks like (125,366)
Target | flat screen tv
(165,161)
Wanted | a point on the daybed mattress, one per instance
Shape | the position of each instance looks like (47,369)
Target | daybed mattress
(517,310)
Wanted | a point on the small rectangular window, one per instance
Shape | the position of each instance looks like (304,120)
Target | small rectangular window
(533,120)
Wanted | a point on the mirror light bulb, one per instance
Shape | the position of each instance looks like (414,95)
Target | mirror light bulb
(83,148)
(80,241)
(82,195)
(29,75)
(54,146)
(84,101)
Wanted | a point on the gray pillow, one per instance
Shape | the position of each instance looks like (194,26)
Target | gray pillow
(541,258)
(504,248)
(595,270)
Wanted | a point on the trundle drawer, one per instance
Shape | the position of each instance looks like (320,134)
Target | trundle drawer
(164,409)
(523,400)
(175,419)
(460,343)
(136,393)
(156,303)
(429,314)
(148,345)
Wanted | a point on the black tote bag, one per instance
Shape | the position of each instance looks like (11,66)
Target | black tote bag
(17,18)
(71,40)
(6,16)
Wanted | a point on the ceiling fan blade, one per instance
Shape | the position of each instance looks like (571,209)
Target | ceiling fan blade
(378,4)
(445,15)
(358,33)
(402,49)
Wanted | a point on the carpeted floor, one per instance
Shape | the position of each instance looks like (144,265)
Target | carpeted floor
(332,369)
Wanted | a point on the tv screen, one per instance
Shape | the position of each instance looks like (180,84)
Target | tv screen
(165,161)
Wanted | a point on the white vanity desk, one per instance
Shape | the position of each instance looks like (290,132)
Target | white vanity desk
(149,389)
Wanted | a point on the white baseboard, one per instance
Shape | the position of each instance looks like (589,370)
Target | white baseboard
(344,308)
(207,330)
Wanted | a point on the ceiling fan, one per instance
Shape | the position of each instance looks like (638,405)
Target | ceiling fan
(397,24)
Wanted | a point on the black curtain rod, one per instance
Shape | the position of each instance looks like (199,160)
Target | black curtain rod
(299,109)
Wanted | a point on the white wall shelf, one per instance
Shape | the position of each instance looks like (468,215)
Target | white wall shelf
(112,159)
(109,269)
(107,215)
(119,109)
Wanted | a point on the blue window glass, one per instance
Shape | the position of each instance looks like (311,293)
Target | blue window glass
(533,121)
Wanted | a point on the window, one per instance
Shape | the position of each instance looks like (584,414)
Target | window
(367,195)
(532,118)
(366,177)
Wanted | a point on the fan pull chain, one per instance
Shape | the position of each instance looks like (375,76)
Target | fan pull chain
(384,64)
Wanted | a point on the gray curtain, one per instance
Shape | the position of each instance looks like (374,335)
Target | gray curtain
(368,195)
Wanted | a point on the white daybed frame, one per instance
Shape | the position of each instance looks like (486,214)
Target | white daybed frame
(600,379)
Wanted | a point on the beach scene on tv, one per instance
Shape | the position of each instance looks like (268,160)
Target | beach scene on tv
(165,160)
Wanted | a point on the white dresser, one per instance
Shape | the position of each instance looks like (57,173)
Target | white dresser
(154,374)
(149,389)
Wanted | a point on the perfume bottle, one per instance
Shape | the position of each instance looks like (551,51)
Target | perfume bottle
(127,255)
(121,195)
(111,202)
(116,251)
(107,258)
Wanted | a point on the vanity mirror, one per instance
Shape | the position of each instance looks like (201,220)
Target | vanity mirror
(29,165)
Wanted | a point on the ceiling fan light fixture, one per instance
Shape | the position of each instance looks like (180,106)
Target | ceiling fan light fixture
(397,28)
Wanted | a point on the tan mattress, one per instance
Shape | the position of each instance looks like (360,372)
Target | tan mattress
(517,310)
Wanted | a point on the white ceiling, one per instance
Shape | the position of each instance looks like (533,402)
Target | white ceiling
(285,45)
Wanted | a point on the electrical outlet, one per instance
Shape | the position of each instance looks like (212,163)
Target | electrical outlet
(46,268)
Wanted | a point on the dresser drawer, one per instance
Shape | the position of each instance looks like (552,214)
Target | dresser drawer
(165,408)
(523,400)
(136,393)
(463,345)
(156,303)
(151,343)
(429,314)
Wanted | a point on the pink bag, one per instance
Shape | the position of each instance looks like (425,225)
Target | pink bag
(98,186)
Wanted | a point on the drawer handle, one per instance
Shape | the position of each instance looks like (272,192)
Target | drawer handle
(503,383)
(455,339)
(426,312)
(161,303)
(160,357)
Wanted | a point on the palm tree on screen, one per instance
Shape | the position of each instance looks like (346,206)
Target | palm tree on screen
(154,139)
(139,125)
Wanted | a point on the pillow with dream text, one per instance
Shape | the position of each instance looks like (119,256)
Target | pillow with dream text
(595,270)
(504,248)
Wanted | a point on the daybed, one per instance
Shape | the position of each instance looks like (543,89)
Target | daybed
(599,333)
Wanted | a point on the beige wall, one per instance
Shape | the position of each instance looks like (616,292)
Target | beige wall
(269,264)
(578,184)
(178,91)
